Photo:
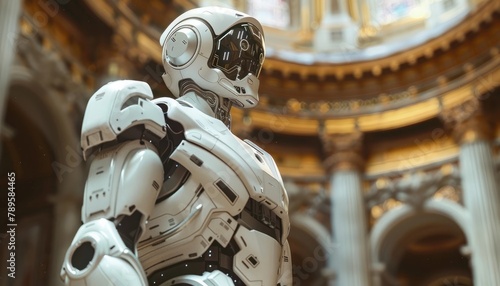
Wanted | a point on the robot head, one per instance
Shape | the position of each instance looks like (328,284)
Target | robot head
(219,50)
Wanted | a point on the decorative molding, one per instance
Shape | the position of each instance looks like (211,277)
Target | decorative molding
(142,36)
(386,112)
(344,151)
(414,189)
(467,121)
(461,113)
(307,199)
(457,34)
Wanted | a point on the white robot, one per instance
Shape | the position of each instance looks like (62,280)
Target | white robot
(172,196)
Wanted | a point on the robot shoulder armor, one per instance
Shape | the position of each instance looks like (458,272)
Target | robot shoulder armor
(266,159)
(117,107)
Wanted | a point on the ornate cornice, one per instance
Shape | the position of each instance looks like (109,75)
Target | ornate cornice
(390,91)
(447,94)
(467,122)
(422,96)
(394,62)
(378,95)
(344,151)
(314,91)
(415,188)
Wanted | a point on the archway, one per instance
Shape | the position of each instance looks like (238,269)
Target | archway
(27,155)
(312,248)
(38,133)
(421,247)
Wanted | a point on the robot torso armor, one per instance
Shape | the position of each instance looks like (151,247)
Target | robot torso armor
(222,205)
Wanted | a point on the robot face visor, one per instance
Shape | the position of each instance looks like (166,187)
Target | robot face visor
(239,51)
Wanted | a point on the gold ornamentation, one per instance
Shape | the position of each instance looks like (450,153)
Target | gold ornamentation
(378,210)
(449,192)
(467,122)
(344,151)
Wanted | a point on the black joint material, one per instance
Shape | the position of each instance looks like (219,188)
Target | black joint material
(129,228)
(215,257)
(196,160)
(83,255)
(226,190)
(258,216)
(253,260)
(156,185)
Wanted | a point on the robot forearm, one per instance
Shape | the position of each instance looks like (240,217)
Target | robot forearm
(98,256)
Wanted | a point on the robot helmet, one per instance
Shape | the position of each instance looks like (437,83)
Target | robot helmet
(218,49)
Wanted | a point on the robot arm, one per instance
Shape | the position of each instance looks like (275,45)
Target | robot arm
(120,131)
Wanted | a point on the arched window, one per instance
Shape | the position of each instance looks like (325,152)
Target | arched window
(389,11)
(271,13)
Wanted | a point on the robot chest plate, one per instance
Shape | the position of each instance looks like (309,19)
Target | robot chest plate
(225,173)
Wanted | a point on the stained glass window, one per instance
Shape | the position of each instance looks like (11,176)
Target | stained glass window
(392,10)
(272,13)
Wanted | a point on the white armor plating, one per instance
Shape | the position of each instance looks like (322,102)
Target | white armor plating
(214,278)
(113,190)
(188,44)
(172,196)
(111,262)
(115,108)
(225,172)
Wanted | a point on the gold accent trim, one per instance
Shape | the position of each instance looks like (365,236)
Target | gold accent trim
(483,14)
(386,120)
(344,151)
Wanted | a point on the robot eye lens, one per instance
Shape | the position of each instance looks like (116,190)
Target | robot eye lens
(244,45)
(239,51)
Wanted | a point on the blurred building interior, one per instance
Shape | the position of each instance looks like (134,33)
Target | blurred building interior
(381,115)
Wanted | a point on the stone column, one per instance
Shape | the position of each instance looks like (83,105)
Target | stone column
(9,17)
(480,190)
(350,258)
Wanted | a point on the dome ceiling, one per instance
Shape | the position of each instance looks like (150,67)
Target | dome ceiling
(340,31)
(389,99)
(313,32)
(369,90)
